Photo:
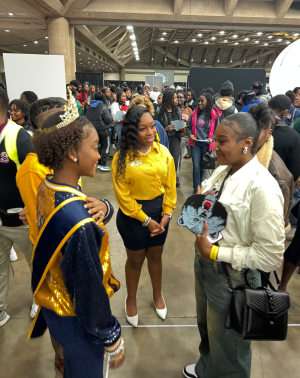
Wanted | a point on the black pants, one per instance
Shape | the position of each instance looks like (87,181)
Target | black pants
(174,148)
(104,144)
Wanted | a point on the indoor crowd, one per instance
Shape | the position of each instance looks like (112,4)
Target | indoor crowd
(244,150)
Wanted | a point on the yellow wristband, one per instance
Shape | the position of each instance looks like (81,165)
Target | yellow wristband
(214,252)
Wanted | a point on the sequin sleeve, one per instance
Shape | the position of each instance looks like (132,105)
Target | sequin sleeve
(83,278)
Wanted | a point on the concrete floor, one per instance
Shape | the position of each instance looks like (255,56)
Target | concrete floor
(155,351)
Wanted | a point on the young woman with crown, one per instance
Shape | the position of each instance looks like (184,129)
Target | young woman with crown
(72,277)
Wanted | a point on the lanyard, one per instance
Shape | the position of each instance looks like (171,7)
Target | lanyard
(222,186)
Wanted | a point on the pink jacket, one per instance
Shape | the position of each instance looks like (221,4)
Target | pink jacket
(215,114)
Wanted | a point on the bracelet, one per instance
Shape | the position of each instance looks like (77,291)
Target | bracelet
(214,252)
(167,215)
(146,222)
(118,350)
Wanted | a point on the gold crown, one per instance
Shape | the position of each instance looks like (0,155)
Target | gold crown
(71,113)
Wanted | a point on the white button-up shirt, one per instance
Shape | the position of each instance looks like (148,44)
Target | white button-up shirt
(254,234)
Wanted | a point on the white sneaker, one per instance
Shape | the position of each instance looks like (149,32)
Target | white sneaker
(33,309)
(13,255)
(189,371)
(4,318)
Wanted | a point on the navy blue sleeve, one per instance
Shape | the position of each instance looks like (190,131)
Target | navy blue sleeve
(162,134)
(83,277)
(24,146)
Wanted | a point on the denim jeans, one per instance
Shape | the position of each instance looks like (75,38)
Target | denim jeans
(199,149)
(118,130)
(223,352)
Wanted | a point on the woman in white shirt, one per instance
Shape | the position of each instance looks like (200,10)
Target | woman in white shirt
(253,239)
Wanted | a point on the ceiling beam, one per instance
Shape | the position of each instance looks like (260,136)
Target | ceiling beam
(152,56)
(154,35)
(172,36)
(244,57)
(251,58)
(267,61)
(87,37)
(203,57)
(112,44)
(113,35)
(282,7)
(178,57)
(106,32)
(128,43)
(230,6)
(170,55)
(217,57)
(120,42)
(189,37)
(31,9)
(177,6)
(191,54)
(230,57)
(23,25)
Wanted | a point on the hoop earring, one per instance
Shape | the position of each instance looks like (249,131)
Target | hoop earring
(75,160)
(245,150)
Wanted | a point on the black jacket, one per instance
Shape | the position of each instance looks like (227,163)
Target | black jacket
(99,116)
(287,146)
(27,125)
(165,121)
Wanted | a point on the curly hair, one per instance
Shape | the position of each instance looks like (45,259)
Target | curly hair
(52,148)
(166,102)
(30,96)
(129,138)
(226,91)
(21,105)
(138,100)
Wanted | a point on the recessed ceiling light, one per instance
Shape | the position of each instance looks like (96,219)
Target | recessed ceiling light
(236,43)
(79,53)
(25,45)
(10,14)
(129,27)
(46,37)
(194,40)
(137,58)
(46,52)
(288,42)
(246,39)
(222,32)
(279,40)
(295,34)
(133,43)
(256,41)
(7,31)
(270,36)
(162,38)
(206,42)
(259,33)
(135,49)
(213,38)
(164,33)
(225,40)
(79,59)
(176,41)
(266,44)
(235,36)
(89,58)
(200,35)
(80,63)
(88,62)
(35,42)
(132,37)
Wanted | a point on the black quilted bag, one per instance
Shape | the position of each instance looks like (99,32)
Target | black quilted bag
(257,314)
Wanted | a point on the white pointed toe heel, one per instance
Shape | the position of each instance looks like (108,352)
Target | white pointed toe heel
(132,320)
(161,313)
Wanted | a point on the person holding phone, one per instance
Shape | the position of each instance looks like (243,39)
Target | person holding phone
(201,127)
(169,112)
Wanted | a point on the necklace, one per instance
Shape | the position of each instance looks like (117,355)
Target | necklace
(141,153)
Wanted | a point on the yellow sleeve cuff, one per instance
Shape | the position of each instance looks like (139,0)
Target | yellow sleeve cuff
(141,216)
(167,209)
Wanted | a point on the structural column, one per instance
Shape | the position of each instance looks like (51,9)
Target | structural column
(122,74)
(59,42)
(72,51)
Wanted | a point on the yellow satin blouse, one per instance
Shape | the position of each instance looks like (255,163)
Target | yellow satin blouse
(148,177)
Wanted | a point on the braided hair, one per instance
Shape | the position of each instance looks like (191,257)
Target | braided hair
(30,97)
(21,105)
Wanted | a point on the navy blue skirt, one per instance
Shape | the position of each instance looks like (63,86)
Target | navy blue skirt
(134,235)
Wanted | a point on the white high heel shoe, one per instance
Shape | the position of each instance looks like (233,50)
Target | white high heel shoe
(132,320)
(161,313)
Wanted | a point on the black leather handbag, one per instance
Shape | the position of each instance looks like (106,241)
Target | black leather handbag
(208,161)
(257,314)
